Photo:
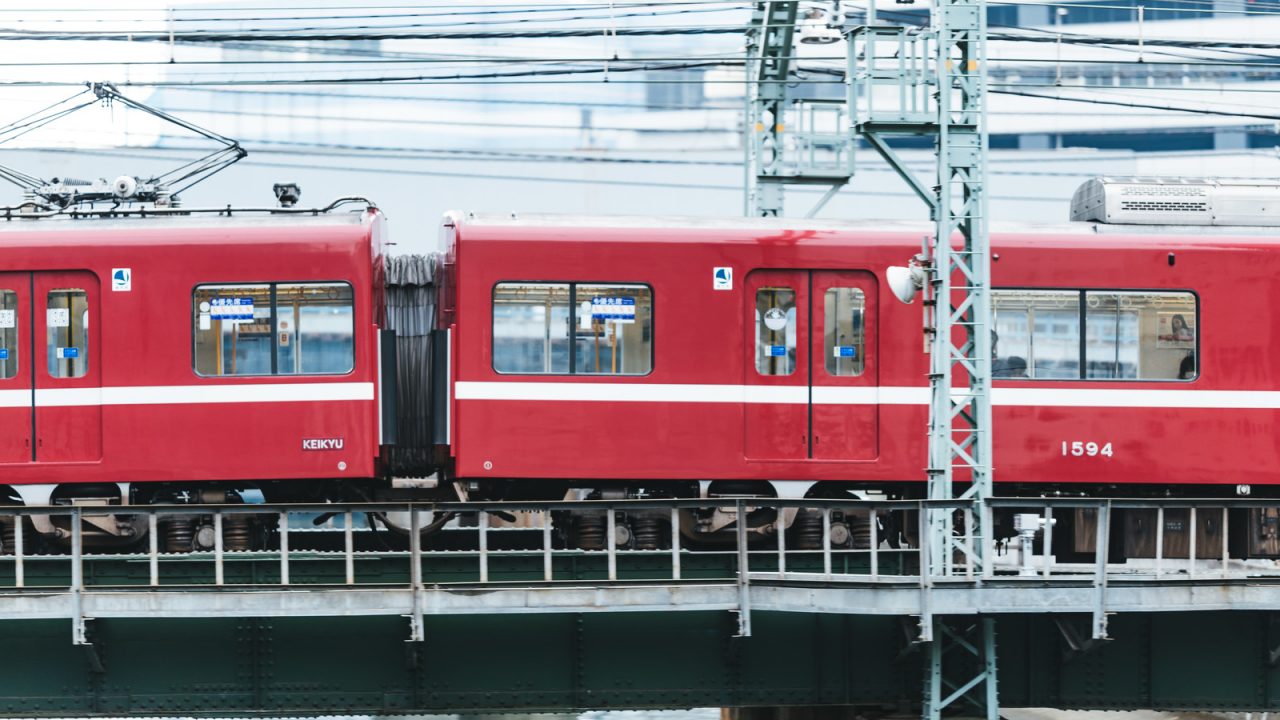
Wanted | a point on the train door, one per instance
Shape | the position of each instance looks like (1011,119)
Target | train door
(777,369)
(15,369)
(844,401)
(67,367)
(811,378)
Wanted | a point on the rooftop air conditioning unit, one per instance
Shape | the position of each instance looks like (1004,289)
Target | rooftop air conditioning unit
(1177,201)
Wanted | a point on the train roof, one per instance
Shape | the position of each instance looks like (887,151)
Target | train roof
(1081,229)
(209,220)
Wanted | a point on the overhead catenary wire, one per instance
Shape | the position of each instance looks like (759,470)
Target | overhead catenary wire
(368,168)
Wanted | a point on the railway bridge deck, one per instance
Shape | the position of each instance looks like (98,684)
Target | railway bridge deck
(505,617)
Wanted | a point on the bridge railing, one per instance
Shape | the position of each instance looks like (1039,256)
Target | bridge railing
(839,540)
(840,555)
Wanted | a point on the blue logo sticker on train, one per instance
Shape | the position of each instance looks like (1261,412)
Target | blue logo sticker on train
(846,351)
(617,309)
(4,353)
(777,351)
(68,353)
(231,308)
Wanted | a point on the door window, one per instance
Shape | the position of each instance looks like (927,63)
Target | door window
(67,332)
(775,331)
(843,331)
(8,334)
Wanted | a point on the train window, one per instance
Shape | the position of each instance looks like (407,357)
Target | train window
(233,329)
(8,334)
(1037,334)
(315,328)
(614,333)
(531,326)
(67,333)
(1128,335)
(775,331)
(1139,335)
(842,331)
(608,326)
(274,329)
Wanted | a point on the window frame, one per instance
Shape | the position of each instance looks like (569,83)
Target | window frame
(1082,294)
(573,327)
(271,290)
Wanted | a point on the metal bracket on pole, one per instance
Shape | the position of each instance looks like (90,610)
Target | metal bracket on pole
(925,193)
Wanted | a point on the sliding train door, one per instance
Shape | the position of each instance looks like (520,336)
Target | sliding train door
(811,390)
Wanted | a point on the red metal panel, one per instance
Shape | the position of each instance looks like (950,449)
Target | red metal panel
(844,430)
(15,392)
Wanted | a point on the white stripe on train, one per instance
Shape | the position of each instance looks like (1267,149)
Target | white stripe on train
(190,394)
(1181,397)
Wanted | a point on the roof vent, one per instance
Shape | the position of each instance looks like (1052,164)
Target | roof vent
(1177,201)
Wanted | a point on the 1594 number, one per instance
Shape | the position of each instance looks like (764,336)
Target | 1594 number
(1081,448)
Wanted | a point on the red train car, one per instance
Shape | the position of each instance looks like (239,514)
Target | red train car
(191,357)
(694,358)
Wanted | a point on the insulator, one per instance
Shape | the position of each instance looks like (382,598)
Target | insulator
(237,533)
(807,529)
(179,534)
(591,531)
(647,529)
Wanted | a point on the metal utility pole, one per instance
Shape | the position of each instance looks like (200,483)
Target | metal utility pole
(933,81)
(784,137)
(960,285)
(912,81)
(905,81)
(769,49)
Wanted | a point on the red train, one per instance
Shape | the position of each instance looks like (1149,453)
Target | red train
(198,358)
(187,358)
